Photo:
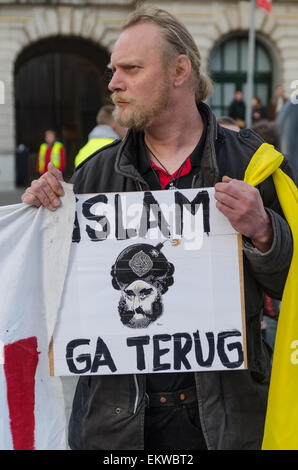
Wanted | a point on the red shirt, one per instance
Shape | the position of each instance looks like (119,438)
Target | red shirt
(165,179)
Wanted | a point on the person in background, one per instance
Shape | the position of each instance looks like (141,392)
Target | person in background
(259,112)
(228,123)
(287,125)
(106,131)
(237,109)
(276,103)
(268,131)
(50,151)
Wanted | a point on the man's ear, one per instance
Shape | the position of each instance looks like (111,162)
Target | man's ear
(182,70)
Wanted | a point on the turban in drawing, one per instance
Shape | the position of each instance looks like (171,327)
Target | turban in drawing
(142,261)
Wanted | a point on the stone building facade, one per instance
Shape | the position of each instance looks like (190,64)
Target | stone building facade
(212,23)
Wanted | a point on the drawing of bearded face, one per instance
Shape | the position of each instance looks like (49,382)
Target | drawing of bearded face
(140,304)
(143,275)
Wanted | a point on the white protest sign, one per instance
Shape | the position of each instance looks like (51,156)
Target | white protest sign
(154,285)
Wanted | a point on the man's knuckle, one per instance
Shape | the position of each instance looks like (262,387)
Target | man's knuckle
(34,183)
(30,199)
(255,191)
(53,182)
(43,183)
(56,186)
(46,181)
(26,198)
(36,186)
(251,200)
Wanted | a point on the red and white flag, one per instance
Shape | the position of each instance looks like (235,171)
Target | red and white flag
(32,273)
(265,5)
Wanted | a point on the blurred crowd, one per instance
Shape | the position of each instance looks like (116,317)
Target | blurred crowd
(260,112)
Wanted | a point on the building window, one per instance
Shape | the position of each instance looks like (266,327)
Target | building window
(228,69)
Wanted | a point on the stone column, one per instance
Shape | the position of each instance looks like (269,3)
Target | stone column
(7,124)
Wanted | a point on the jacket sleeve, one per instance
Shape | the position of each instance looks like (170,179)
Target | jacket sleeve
(270,269)
(78,180)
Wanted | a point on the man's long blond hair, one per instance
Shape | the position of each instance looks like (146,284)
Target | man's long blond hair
(179,41)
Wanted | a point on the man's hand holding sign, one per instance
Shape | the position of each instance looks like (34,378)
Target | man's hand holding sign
(45,191)
(242,204)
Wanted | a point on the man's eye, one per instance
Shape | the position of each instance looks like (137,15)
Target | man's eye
(145,293)
(129,294)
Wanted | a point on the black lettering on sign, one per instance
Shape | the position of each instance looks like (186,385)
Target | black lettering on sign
(96,235)
(102,357)
(180,351)
(139,343)
(198,349)
(183,203)
(121,232)
(150,203)
(182,345)
(86,358)
(236,345)
(157,352)
(76,234)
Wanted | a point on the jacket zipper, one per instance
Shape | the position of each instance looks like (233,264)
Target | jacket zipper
(194,181)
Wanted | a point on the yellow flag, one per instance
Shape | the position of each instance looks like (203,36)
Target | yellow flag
(281,425)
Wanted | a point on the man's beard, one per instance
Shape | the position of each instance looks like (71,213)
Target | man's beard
(140,117)
(127,316)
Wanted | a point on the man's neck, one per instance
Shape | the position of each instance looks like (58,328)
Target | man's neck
(174,139)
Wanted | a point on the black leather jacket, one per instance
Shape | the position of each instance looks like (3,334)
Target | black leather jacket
(108,411)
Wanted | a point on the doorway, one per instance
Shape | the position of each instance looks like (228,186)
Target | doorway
(60,83)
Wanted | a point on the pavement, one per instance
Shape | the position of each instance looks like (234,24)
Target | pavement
(69,383)
(11,197)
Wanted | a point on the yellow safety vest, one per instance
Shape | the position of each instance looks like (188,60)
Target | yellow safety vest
(55,156)
(91,147)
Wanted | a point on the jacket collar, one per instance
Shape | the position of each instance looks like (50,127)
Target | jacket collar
(132,154)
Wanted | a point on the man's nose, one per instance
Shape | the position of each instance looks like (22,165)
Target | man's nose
(136,303)
(116,82)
